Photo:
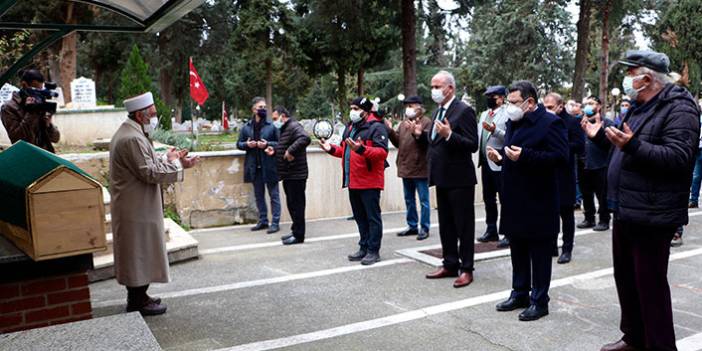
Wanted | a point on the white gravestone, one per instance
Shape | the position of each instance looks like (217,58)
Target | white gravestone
(6,92)
(83,93)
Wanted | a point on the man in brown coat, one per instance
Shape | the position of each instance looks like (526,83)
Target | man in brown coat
(136,173)
(24,123)
(411,140)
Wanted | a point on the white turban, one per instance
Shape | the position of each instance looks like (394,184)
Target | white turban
(139,103)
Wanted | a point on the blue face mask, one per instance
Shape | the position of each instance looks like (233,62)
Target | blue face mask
(589,110)
(625,110)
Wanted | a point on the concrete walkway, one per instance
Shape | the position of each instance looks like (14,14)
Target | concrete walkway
(248,292)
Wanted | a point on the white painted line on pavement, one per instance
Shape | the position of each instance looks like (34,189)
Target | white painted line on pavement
(267,281)
(419,313)
(690,343)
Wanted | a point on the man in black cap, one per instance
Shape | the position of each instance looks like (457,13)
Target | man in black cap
(491,133)
(410,139)
(648,179)
(25,123)
(363,152)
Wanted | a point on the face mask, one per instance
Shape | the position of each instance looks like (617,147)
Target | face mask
(515,112)
(589,110)
(278,123)
(410,113)
(149,129)
(579,116)
(437,95)
(625,110)
(262,113)
(491,103)
(628,85)
(355,116)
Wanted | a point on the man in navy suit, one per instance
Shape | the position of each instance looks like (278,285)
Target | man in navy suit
(452,140)
(536,147)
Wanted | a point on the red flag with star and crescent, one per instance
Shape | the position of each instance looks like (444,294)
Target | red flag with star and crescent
(197,88)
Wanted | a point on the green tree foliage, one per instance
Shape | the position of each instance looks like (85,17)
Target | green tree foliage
(135,80)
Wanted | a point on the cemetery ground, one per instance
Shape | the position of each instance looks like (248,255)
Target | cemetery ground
(248,292)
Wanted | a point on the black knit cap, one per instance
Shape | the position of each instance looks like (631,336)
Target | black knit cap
(363,103)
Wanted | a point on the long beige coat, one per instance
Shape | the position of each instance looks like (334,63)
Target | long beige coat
(137,212)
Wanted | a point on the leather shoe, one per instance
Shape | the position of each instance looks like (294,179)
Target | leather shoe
(259,226)
(565,257)
(620,345)
(149,308)
(601,227)
(370,258)
(533,313)
(693,205)
(292,240)
(286,236)
(503,244)
(357,256)
(273,229)
(442,273)
(463,280)
(512,304)
(586,224)
(488,236)
(408,232)
(423,234)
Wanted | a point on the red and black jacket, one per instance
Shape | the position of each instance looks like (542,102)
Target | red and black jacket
(367,164)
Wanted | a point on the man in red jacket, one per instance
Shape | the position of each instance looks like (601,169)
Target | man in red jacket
(363,152)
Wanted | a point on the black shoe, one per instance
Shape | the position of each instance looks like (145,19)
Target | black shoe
(586,224)
(273,229)
(423,234)
(565,257)
(371,257)
(292,240)
(504,243)
(357,256)
(693,205)
(533,313)
(512,304)
(408,232)
(259,226)
(350,218)
(489,236)
(577,206)
(601,227)
(286,237)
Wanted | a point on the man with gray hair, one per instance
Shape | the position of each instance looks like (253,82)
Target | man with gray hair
(650,171)
(452,140)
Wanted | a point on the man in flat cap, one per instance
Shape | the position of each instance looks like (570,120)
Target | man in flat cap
(491,132)
(410,138)
(363,152)
(648,180)
(136,172)
(23,122)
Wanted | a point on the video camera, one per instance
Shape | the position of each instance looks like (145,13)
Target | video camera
(39,99)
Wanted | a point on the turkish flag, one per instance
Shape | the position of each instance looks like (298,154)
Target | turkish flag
(225,117)
(197,88)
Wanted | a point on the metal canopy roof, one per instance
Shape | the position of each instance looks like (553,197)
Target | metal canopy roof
(148,16)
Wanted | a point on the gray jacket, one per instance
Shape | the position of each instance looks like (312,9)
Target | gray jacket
(496,139)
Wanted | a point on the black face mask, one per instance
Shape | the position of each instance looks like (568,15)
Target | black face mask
(491,103)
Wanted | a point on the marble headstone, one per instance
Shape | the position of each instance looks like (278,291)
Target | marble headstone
(83,93)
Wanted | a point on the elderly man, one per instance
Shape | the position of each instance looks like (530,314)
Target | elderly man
(23,120)
(136,173)
(649,176)
(454,137)
(536,149)
(553,102)
(492,133)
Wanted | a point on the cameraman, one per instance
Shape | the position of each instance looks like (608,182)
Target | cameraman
(22,122)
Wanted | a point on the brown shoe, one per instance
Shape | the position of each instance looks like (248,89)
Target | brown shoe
(442,273)
(463,280)
(620,345)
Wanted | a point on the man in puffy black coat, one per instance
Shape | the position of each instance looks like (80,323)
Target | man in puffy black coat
(291,156)
(648,180)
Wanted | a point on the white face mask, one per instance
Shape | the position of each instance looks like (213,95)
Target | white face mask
(355,116)
(437,95)
(150,127)
(515,112)
(278,123)
(410,112)
(628,85)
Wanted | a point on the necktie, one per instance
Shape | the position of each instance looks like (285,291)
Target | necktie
(439,118)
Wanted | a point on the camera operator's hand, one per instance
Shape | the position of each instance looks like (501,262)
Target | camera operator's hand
(48,119)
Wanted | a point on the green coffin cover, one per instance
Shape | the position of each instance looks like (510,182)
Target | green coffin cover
(20,166)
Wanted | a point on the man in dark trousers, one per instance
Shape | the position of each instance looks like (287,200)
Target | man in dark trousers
(454,137)
(291,155)
(650,171)
(363,153)
(259,165)
(536,148)
(553,102)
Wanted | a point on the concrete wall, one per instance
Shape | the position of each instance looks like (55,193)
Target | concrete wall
(82,127)
(214,193)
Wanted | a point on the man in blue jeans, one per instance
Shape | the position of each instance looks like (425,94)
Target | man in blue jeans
(410,138)
(696,175)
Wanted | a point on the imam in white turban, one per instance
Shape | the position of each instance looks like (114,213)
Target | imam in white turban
(139,103)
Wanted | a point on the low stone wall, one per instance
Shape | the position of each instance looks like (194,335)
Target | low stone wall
(214,193)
